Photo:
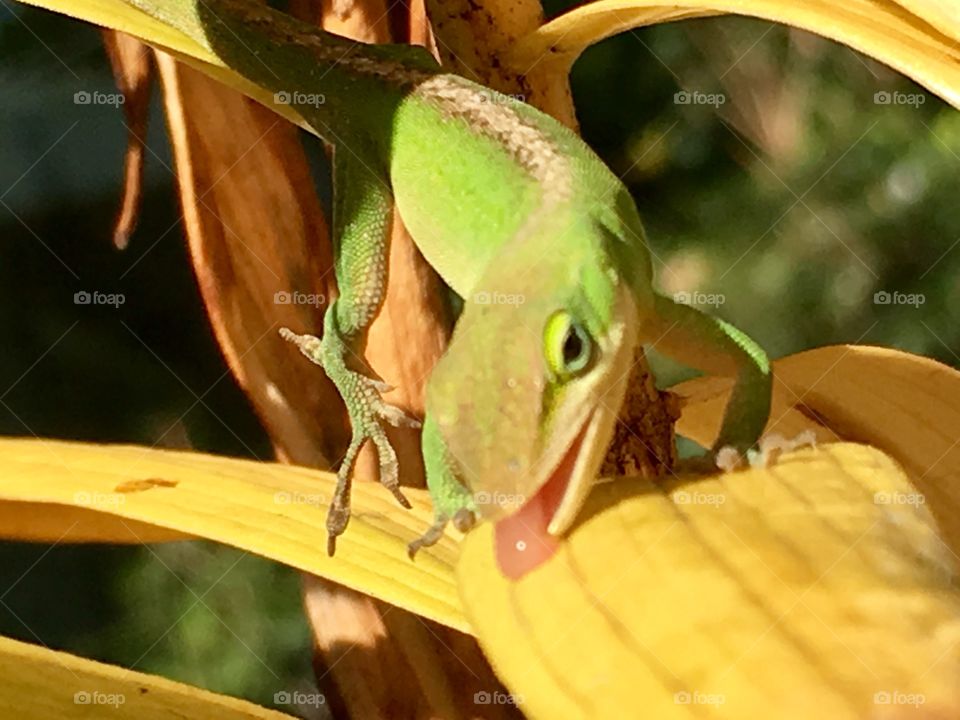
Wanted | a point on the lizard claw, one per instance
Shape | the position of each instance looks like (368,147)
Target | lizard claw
(430,537)
(771,447)
(398,417)
(768,450)
(337,518)
(463,520)
(369,415)
(380,385)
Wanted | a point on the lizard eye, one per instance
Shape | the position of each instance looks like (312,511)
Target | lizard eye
(567,345)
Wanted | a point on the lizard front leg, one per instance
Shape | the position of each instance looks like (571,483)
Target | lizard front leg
(452,499)
(362,215)
(714,346)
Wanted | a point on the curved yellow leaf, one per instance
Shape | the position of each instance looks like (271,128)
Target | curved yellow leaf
(560,41)
(944,15)
(906,405)
(793,592)
(40,684)
(41,522)
(277,511)
(879,28)
(118,15)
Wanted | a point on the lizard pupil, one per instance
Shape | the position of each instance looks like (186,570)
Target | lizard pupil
(572,346)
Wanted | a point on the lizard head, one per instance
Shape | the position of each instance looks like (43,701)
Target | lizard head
(527,394)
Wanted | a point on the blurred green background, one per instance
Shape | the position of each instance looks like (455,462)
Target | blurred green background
(784,191)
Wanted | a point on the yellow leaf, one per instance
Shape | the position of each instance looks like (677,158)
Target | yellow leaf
(277,511)
(906,405)
(944,15)
(794,587)
(118,15)
(41,684)
(879,28)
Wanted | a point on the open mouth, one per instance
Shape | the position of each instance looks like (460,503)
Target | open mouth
(555,494)
(526,538)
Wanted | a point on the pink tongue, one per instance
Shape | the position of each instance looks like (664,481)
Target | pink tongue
(521,540)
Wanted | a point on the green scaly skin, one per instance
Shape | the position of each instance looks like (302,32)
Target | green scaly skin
(523,221)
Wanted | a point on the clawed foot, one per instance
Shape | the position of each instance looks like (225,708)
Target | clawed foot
(771,447)
(728,458)
(430,537)
(463,520)
(369,416)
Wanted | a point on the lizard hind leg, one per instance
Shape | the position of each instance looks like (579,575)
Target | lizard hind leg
(362,219)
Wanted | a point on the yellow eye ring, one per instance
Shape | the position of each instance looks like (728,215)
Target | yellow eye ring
(567,346)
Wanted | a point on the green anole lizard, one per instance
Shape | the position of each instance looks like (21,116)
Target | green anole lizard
(524,222)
